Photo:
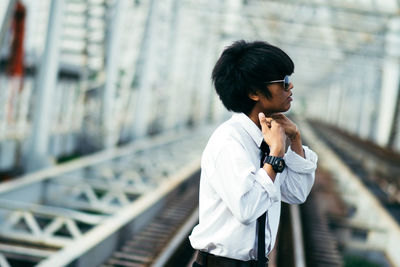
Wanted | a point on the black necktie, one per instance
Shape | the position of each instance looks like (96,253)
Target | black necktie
(261,260)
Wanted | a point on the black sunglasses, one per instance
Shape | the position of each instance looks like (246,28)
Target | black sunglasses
(286,82)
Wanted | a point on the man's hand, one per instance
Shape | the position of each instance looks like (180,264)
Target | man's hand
(291,129)
(274,135)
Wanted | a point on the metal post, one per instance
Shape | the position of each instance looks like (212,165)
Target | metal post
(332,100)
(368,107)
(5,19)
(205,86)
(390,84)
(37,155)
(109,129)
(170,63)
(143,76)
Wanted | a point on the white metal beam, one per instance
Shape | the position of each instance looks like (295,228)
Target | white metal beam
(38,156)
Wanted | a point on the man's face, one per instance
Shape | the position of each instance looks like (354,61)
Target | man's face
(280,99)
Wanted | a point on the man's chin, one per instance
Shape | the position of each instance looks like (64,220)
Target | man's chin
(280,110)
(286,109)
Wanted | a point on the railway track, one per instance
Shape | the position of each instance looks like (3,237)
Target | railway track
(153,244)
(377,168)
(132,206)
(86,212)
(321,246)
(305,237)
(366,179)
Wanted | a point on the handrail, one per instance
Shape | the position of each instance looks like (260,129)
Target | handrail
(96,158)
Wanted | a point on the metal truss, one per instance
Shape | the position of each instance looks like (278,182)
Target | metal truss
(74,201)
(113,185)
(10,251)
(328,34)
(51,226)
(368,8)
(166,52)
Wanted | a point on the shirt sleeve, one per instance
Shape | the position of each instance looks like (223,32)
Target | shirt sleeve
(247,191)
(298,177)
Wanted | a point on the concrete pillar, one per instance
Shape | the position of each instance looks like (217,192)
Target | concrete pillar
(37,156)
(390,84)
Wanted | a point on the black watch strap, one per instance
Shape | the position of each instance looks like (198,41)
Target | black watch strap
(277,163)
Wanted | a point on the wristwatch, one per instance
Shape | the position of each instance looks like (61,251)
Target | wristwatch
(277,163)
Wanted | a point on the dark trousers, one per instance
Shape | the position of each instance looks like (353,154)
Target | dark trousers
(204,259)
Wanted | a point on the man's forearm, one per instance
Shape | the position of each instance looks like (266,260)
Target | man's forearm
(270,171)
(296,145)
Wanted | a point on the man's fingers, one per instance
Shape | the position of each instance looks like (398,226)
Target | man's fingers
(262,118)
(263,122)
(269,121)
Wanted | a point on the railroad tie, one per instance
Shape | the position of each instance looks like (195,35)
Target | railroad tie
(144,247)
(320,244)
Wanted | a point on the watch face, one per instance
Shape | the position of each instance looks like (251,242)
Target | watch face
(280,165)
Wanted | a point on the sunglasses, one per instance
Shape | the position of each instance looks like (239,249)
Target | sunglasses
(286,82)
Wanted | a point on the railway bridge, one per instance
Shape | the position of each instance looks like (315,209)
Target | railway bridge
(107,105)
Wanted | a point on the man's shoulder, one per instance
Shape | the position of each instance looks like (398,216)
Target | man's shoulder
(228,133)
(227,130)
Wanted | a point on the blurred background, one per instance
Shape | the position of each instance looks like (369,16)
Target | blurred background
(94,92)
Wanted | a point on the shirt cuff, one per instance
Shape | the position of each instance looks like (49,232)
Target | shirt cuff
(299,164)
(265,181)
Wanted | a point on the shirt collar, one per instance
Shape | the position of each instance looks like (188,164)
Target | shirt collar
(250,127)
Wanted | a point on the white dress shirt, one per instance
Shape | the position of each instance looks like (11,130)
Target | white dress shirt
(235,191)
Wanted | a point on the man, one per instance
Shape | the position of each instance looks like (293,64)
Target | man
(252,80)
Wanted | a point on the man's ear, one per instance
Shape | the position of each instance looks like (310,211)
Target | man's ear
(254,96)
